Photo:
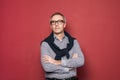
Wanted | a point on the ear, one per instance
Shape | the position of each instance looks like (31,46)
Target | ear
(64,25)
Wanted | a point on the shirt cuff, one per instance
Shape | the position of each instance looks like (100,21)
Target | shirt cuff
(66,69)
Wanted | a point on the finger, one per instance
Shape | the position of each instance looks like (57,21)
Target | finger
(46,56)
(45,61)
(75,55)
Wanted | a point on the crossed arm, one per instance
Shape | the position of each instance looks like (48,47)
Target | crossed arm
(62,66)
(48,59)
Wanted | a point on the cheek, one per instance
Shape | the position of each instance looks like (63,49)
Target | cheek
(63,26)
(52,27)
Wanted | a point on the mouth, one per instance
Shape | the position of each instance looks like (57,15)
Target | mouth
(57,28)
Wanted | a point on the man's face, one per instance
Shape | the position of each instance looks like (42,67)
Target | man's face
(57,24)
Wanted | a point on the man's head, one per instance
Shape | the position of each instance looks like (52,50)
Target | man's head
(57,22)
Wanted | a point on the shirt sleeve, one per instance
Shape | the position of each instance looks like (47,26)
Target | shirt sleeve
(74,62)
(48,67)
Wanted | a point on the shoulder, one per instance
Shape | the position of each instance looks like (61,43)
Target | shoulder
(44,43)
(76,42)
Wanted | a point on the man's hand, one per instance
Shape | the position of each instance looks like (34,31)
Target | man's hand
(48,59)
(75,55)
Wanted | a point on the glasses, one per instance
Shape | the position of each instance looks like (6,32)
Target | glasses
(53,22)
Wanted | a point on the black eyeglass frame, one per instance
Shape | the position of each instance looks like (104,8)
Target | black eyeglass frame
(53,22)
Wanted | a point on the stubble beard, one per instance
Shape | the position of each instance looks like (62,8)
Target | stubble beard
(57,33)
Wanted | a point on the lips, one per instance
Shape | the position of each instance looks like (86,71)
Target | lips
(57,28)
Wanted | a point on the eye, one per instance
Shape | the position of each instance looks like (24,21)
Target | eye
(52,22)
(60,21)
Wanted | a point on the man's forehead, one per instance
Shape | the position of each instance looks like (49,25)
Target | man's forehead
(57,17)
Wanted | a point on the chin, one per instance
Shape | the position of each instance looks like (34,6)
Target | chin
(57,32)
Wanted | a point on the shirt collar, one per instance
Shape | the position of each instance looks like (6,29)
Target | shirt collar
(57,38)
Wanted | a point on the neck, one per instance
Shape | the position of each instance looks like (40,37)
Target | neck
(60,36)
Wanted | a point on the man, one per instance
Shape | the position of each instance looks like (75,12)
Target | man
(60,52)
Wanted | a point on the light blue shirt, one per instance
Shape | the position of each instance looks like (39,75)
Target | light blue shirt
(68,67)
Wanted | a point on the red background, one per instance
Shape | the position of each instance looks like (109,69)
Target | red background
(95,24)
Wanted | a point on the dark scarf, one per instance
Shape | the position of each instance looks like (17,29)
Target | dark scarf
(60,52)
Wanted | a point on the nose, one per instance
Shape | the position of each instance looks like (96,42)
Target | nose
(56,23)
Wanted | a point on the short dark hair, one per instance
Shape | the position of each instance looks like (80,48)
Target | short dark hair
(58,13)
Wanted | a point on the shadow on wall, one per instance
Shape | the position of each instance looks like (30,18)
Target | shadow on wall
(82,72)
